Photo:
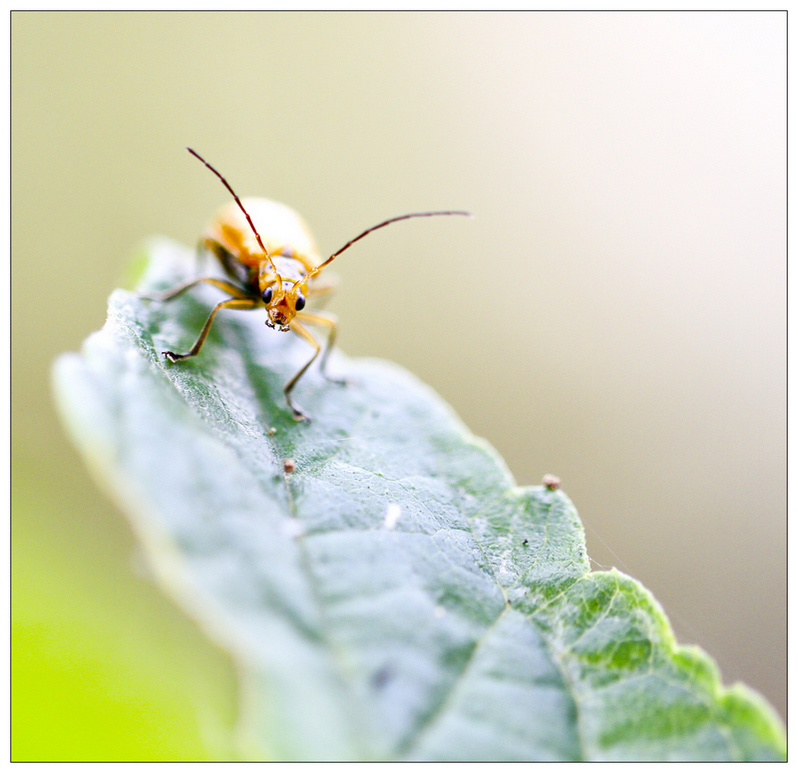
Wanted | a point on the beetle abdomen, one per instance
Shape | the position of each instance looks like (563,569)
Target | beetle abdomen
(281,228)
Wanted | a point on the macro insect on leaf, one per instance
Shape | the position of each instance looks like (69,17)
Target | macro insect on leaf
(273,265)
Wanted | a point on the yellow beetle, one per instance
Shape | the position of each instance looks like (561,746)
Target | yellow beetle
(279,271)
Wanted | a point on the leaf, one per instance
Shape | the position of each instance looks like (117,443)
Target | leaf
(396,596)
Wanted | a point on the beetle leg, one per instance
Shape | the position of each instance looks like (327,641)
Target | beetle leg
(325,318)
(302,332)
(242,304)
(322,287)
(222,284)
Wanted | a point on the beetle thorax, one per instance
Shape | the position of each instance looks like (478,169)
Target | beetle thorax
(290,270)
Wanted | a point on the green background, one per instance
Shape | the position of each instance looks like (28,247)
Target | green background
(615,313)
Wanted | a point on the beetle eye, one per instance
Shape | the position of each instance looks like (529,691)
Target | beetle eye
(267,295)
(300,302)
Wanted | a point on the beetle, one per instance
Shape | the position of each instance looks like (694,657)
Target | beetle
(278,270)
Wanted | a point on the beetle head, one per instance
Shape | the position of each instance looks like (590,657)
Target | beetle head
(282,303)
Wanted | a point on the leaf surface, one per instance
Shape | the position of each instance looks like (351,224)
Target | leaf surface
(396,596)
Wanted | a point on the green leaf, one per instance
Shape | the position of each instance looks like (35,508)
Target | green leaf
(396,596)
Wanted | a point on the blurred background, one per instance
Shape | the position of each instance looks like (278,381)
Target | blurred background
(615,314)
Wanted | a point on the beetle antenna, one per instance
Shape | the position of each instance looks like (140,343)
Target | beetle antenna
(332,257)
(241,207)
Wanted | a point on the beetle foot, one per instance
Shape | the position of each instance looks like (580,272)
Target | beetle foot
(297,414)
